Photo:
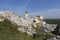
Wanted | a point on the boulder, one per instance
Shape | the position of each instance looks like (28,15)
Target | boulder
(57,30)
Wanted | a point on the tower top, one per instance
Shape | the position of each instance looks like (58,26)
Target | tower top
(26,11)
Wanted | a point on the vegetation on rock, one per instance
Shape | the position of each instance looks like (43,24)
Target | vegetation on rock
(8,31)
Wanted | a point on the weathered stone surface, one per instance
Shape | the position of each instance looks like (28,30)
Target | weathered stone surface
(48,27)
(57,30)
(54,37)
(56,34)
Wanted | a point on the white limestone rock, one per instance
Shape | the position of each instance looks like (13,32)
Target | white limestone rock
(54,37)
(48,27)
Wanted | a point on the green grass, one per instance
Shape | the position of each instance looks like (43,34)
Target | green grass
(42,36)
(8,31)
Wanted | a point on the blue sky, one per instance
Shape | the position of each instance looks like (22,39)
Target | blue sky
(46,8)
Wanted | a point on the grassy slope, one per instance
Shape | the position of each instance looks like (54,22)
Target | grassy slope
(8,31)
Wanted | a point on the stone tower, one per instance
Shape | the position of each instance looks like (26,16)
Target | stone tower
(26,14)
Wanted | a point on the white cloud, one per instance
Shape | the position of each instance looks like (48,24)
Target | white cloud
(51,13)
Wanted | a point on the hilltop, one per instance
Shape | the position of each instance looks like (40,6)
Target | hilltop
(14,27)
(9,28)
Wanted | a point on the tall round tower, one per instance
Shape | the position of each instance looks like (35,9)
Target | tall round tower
(26,14)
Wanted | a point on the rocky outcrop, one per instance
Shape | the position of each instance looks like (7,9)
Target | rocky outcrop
(56,30)
(54,37)
(25,24)
(48,27)
(56,33)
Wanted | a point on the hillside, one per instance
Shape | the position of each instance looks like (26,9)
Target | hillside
(8,31)
(14,27)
